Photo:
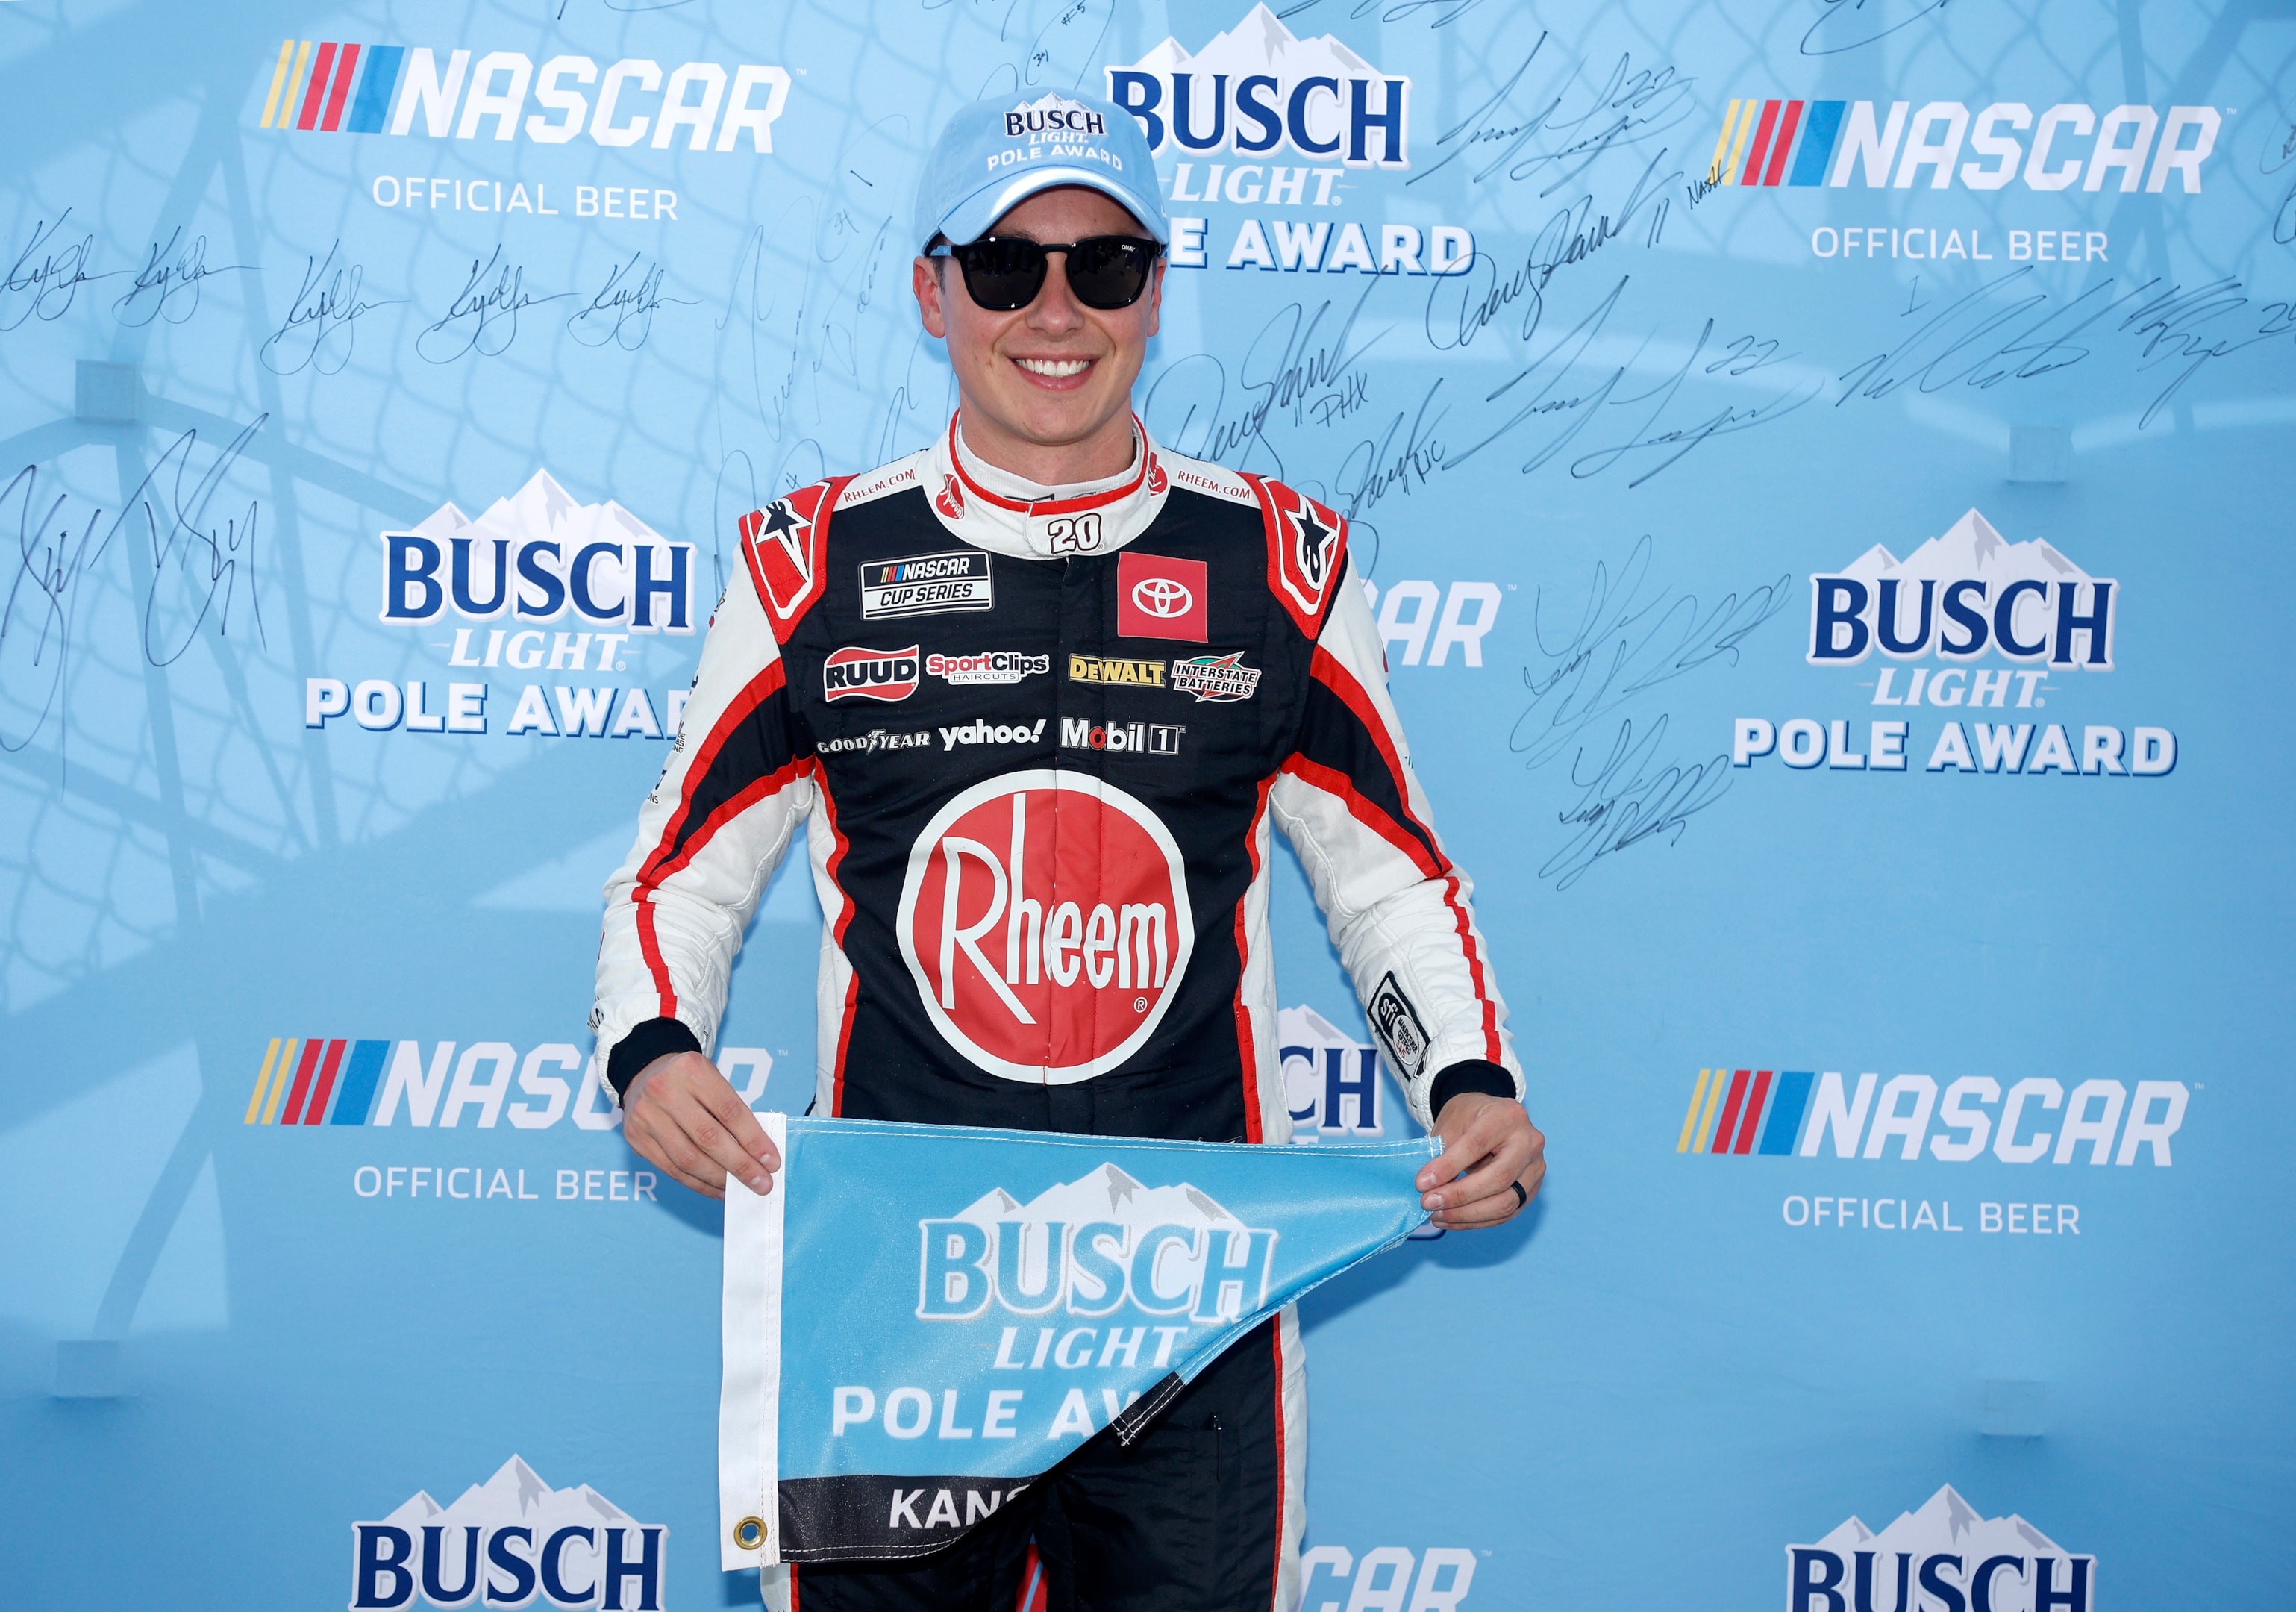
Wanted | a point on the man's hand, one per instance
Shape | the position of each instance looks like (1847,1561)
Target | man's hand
(685,1117)
(1489,1144)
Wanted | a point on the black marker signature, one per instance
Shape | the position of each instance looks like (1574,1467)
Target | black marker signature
(1061,30)
(1572,236)
(43,287)
(2276,155)
(1984,337)
(622,311)
(1399,10)
(1294,364)
(1631,796)
(168,285)
(1372,470)
(1557,142)
(483,317)
(1563,384)
(2003,331)
(1627,637)
(840,331)
(2171,327)
(819,329)
(1846,26)
(751,309)
(199,566)
(320,328)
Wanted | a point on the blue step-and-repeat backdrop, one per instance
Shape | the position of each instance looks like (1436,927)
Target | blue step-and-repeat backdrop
(1823,469)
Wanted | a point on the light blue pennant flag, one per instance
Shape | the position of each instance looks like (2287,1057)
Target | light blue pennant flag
(920,1320)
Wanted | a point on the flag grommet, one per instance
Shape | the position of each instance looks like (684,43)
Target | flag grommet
(749,1533)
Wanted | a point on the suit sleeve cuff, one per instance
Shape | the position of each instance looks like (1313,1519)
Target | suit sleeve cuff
(656,1038)
(1473,1076)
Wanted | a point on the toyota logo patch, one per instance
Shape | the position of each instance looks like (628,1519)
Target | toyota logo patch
(1159,597)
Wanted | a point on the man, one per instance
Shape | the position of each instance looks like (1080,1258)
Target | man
(1033,695)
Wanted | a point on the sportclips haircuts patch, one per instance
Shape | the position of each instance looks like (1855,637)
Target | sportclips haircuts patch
(925,585)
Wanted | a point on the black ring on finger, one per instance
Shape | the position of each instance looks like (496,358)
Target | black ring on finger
(1521,1198)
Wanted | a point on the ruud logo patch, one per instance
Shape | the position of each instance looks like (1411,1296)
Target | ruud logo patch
(870,674)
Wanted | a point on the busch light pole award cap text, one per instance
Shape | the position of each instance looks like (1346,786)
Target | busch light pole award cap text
(995,155)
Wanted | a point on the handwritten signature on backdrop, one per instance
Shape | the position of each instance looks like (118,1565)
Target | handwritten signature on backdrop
(190,555)
(1626,638)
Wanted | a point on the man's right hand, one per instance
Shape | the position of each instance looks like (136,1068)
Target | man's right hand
(684,1116)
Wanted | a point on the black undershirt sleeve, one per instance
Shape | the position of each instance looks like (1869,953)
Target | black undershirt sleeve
(1472,1075)
(655,1038)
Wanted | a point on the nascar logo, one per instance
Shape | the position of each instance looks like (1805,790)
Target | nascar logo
(334,86)
(1800,143)
(336,1081)
(1795,1112)
(927,585)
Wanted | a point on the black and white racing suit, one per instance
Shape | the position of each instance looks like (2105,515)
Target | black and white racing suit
(1034,749)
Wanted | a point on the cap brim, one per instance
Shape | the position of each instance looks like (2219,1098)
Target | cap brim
(970,219)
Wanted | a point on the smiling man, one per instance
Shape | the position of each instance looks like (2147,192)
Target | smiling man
(1035,695)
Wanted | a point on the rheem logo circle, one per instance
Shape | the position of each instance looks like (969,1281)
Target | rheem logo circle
(1162,597)
(1044,919)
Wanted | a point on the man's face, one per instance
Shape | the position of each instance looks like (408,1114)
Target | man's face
(1055,372)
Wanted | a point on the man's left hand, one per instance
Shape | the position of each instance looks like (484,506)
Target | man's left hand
(1489,1145)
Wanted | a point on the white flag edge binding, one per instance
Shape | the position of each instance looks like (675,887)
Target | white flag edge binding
(749,1405)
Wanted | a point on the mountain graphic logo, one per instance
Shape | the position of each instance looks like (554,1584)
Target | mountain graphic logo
(1947,1553)
(536,556)
(501,1541)
(1095,1246)
(1258,88)
(1961,596)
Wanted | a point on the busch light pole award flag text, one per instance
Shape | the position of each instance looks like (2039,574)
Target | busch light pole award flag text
(920,1320)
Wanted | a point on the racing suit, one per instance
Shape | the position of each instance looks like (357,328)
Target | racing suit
(1036,748)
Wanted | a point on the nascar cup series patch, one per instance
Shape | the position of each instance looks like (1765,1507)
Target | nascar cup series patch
(921,1320)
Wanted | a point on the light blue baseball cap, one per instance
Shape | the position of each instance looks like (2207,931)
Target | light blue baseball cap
(995,155)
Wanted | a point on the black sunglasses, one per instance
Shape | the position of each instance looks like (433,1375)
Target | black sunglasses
(1003,273)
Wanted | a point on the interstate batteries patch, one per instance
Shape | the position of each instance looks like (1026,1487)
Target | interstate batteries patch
(924,585)
(1216,678)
